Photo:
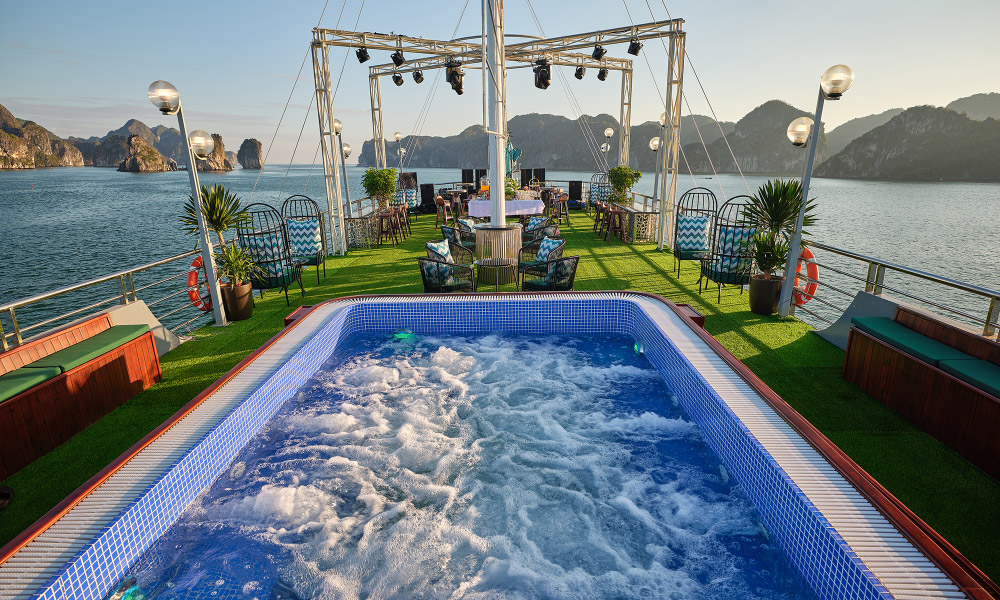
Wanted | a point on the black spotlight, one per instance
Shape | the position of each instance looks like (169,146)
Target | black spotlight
(543,74)
(397,57)
(397,79)
(602,74)
(362,53)
(599,52)
(456,76)
(579,72)
(418,76)
(634,46)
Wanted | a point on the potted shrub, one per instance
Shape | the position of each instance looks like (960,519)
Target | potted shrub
(622,179)
(237,265)
(773,211)
(380,184)
(510,188)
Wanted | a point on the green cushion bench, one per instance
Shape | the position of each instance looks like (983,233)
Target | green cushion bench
(90,348)
(907,340)
(23,379)
(980,373)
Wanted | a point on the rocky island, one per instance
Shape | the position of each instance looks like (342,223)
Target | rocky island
(27,145)
(144,158)
(216,161)
(249,154)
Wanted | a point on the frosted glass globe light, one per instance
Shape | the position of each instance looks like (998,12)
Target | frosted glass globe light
(202,143)
(609,132)
(654,144)
(397,136)
(605,147)
(347,151)
(798,131)
(337,126)
(663,119)
(164,96)
(836,80)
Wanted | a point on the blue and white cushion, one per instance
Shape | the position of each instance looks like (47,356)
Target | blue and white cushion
(546,247)
(440,251)
(692,232)
(304,237)
(535,222)
(733,245)
(267,252)
(559,273)
(466,224)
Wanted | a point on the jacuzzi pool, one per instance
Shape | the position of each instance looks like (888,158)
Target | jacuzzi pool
(839,544)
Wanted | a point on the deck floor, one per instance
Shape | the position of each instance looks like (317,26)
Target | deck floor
(957,499)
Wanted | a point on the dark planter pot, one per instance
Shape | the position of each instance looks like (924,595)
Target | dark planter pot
(765,292)
(237,300)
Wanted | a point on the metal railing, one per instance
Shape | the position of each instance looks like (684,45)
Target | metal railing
(95,296)
(933,291)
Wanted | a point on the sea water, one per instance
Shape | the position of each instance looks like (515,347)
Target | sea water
(486,467)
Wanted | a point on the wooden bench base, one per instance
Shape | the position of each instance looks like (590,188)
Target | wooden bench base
(961,416)
(38,420)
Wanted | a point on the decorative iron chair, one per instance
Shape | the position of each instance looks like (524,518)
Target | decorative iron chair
(600,189)
(265,237)
(459,236)
(304,222)
(552,275)
(537,252)
(693,218)
(447,268)
(731,258)
(537,227)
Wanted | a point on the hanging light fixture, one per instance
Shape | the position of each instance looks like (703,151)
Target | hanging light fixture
(456,76)
(418,76)
(543,74)
(579,72)
(599,52)
(799,130)
(634,47)
(397,79)
(836,80)
(602,74)
(397,57)
(362,54)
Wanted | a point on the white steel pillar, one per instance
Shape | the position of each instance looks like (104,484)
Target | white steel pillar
(625,117)
(496,90)
(377,135)
(670,154)
(328,147)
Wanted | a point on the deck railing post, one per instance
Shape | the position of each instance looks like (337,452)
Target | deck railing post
(124,288)
(992,316)
(13,323)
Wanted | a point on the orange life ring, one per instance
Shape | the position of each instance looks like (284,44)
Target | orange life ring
(202,303)
(804,293)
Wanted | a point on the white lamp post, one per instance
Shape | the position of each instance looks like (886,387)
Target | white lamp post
(835,81)
(399,142)
(606,146)
(345,151)
(199,144)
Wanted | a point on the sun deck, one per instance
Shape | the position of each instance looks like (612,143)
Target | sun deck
(951,495)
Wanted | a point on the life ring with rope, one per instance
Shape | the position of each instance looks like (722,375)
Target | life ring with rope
(804,293)
(202,303)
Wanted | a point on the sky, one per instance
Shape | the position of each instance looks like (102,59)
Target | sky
(82,68)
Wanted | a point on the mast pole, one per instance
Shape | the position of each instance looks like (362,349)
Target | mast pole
(496,91)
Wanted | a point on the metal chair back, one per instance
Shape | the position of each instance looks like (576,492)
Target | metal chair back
(697,201)
(304,207)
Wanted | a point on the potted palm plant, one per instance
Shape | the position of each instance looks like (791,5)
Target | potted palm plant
(223,211)
(237,265)
(380,184)
(773,211)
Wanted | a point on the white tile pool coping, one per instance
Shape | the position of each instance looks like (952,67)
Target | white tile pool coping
(903,569)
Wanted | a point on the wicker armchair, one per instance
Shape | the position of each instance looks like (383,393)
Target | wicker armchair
(692,223)
(731,259)
(551,275)
(460,235)
(265,236)
(304,223)
(527,256)
(546,227)
(444,277)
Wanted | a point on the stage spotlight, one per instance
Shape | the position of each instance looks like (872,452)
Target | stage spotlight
(397,57)
(543,74)
(456,76)
(579,72)
(602,74)
(363,55)
(634,47)
(397,79)
(599,52)
(418,76)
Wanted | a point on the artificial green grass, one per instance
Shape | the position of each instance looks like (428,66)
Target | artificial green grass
(957,499)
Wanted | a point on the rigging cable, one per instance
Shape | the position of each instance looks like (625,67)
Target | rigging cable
(287,102)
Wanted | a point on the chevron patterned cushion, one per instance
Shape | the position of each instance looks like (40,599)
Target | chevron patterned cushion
(548,245)
(440,251)
(600,192)
(466,224)
(535,222)
(559,273)
(692,232)
(267,253)
(304,237)
(734,248)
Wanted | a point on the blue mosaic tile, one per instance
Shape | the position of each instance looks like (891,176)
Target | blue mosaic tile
(811,543)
